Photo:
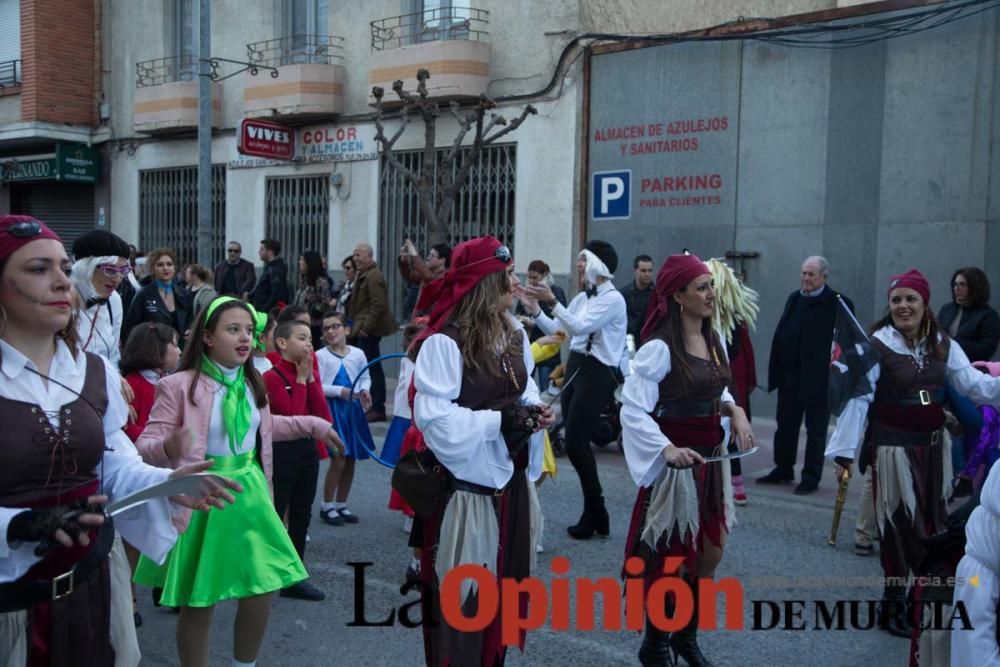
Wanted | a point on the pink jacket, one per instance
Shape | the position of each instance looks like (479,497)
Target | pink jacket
(172,411)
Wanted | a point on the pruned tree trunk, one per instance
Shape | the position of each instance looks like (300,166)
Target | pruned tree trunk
(437,195)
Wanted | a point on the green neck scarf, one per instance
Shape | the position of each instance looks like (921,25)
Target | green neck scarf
(236,412)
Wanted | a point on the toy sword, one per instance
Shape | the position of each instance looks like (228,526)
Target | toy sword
(198,485)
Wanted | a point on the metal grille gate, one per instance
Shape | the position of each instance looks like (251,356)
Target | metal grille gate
(298,216)
(484,206)
(168,212)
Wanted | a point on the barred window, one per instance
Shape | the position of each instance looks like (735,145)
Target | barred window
(298,216)
(168,211)
(484,206)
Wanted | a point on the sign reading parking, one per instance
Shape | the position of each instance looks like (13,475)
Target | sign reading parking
(612,195)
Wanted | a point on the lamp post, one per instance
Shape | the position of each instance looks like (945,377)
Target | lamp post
(204,133)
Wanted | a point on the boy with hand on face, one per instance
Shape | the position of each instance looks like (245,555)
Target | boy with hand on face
(291,391)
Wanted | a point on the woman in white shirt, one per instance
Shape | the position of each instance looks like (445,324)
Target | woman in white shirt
(479,412)
(674,404)
(66,456)
(903,438)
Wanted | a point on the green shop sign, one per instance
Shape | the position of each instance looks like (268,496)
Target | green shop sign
(71,164)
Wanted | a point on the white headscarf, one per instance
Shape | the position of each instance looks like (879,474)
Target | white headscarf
(595,268)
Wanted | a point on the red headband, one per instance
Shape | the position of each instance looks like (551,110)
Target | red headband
(471,261)
(914,280)
(25,230)
(674,275)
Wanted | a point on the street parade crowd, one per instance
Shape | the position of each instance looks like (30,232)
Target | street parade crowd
(158,420)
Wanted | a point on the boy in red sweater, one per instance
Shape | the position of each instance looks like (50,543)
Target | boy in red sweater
(292,390)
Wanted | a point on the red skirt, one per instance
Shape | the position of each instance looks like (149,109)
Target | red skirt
(711,525)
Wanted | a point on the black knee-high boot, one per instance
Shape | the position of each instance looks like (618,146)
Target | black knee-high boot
(655,649)
(685,642)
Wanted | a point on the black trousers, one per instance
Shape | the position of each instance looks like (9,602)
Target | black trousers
(582,403)
(296,467)
(369,345)
(786,439)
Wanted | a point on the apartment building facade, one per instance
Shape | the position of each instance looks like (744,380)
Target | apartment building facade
(327,55)
(50,162)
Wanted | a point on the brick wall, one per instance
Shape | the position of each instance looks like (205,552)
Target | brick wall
(58,53)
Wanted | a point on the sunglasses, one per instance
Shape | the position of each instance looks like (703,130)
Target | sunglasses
(25,229)
(233,251)
(111,271)
(502,253)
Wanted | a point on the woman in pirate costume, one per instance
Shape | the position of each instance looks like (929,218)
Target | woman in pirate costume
(904,438)
(674,402)
(62,455)
(475,406)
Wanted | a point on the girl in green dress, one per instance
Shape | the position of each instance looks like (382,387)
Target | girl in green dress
(243,553)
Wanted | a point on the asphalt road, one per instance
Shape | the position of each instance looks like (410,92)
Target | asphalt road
(778,551)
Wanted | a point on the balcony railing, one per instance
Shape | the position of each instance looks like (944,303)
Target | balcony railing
(159,71)
(10,73)
(429,26)
(297,50)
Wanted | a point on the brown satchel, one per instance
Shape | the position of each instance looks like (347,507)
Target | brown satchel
(420,479)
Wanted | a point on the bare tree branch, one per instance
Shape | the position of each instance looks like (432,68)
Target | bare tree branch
(387,144)
(514,124)
(439,182)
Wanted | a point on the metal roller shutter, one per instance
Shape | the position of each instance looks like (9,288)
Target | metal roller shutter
(68,208)
(10,30)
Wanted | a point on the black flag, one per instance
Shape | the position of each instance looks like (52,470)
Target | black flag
(851,357)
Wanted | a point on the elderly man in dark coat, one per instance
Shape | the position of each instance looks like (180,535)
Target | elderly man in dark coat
(798,369)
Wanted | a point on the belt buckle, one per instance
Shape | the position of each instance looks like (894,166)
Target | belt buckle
(716,406)
(56,581)
(497,492)
(936,437)
(925,397)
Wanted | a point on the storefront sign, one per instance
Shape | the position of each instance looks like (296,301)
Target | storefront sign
(71,164)
(261,138)
(76,164)
(337,143)
(29,170)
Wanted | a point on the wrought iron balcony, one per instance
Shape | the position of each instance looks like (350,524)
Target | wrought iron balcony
(431,25)
(159,71)
(10,73)
(297,50)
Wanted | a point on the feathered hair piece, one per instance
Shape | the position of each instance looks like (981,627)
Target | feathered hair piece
(735,303)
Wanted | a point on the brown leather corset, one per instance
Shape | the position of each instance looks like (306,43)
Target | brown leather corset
(908,396)
(39,463)
(690,413)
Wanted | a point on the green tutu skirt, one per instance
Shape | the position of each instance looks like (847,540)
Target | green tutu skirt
(237,552)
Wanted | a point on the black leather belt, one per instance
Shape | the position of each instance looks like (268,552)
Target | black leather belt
(24,594)
(920,397)
(690,407)
(887,436)
(462,485)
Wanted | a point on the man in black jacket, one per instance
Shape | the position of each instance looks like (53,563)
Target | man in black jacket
(272,286)
(799,369)
(637,294)
(234,276)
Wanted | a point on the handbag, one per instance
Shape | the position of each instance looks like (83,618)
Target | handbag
(419,478)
